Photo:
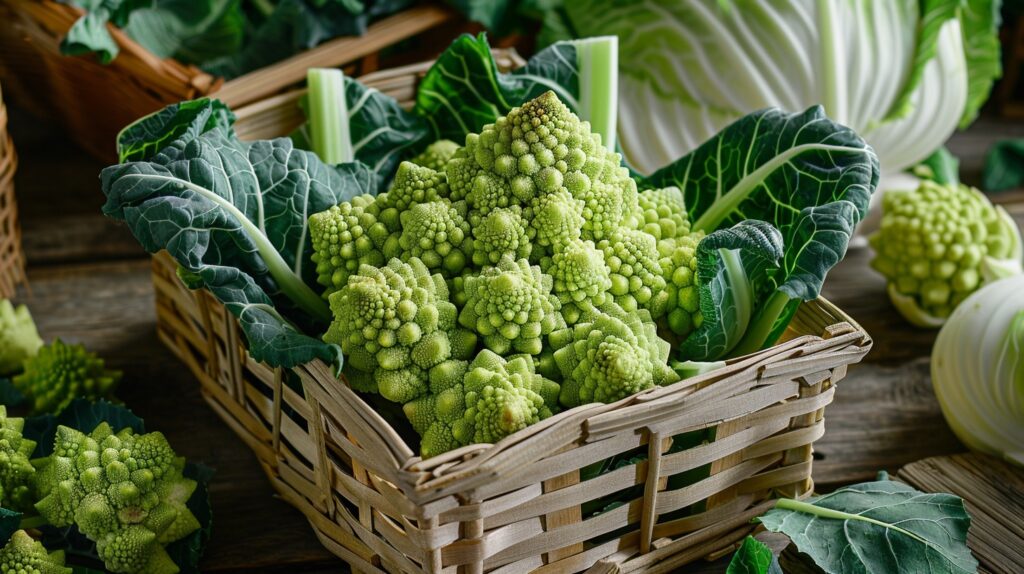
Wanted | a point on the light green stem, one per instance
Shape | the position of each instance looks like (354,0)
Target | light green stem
(328,115)
(757,334)
(598,60)
(32,522)
(807,508)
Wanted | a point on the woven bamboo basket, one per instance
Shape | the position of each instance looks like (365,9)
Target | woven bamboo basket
(518,505)
(12,259)
(93,101)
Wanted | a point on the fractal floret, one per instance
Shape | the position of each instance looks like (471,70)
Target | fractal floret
(125,492)
(538,149)
(678,260)
(501,232)
(511,307)
(581,279)
(437,234)
(610,355)
(15,469)
(60,373)
(555,219)
(19,339)
(637,281)
(938,244)
(344,237)
(436,155)
(413,184)
(24,555)
(663,213)
(482,401)
(396,322)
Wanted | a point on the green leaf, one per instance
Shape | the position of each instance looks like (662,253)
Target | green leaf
(235,214)
(881,526)
(808,176)
(734,270)
(463,91)
(10,396)
(81,414)
(753,557)
(192,31)
(9,524)
(941,167)
(934,14)
(143,138)
(1004,166)
(980,20)
(89,35)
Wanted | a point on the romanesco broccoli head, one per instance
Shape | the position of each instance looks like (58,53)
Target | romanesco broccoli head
(344,237)
(24,555)
(436,155)
(437,234)
(15,469)
(413,184)
(542,148)
(394,322)
(663,213)
(610,355)
(19,339)
(60,373)
(511,307)
(501,232)
(636,273)
(938,244)
(125,492)
(678,260)
(581,279)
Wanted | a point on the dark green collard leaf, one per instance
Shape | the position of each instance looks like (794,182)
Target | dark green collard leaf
(1004,166)
(734,269)
(82,415)
(89,35)
(143,138)
(753,557)
(192,31)
(808,176)
(382,132)
(11,397)
(881,526)
(235,214)
(9,521)
(464,91)
(941,167)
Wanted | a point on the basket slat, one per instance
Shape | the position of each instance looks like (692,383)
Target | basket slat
(12,258)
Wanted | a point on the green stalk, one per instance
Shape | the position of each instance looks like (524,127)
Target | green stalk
(808,508)
(328,115)
(598,61)
(757,334)
(32,522)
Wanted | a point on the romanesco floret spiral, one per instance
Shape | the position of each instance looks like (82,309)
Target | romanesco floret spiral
(555,219)
(15,469)
(678,260)
(394,322)
(511,306)
(610,355)
(480,402)
(938,244)
(19,339)
(663,213)
(24,555)
(541,148)
(436,155)
(437,234)
(636,273)
(501,232)
(581,279)
(344,237)
(413,184)
(60,373)
(125,492)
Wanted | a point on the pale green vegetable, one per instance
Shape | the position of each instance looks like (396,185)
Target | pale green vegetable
(978,370)
(328,115)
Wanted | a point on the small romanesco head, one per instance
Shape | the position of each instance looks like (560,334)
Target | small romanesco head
(511,307)
(437,234)
(413,184)
(125,492)
(555,219)
(436,155)
(15,469)
(678,260)
(610,355)
(581,279)
(663,213)
(19,339)
(24,555)
(938,244)
(637,276)
(344,237)
(60,373)
(501,232)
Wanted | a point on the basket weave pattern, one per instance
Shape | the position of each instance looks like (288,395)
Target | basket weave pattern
(12,259)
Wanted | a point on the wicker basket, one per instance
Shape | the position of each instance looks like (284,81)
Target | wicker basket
(94,101)
(517,506)
(12,260)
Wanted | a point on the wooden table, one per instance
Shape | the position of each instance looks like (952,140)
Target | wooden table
(90,284)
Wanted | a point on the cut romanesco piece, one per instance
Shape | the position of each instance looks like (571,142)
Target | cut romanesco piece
(609,355)
(581,279)
(125,492)
(395,322)
(938,244)
(436,155)
(678,260)
(501,232)
(24,555)
(511,307)
(19,339)
(15,469)
(61,373)
(637,281)
(437,234)
(480,402)
(344,237)
(663,213)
